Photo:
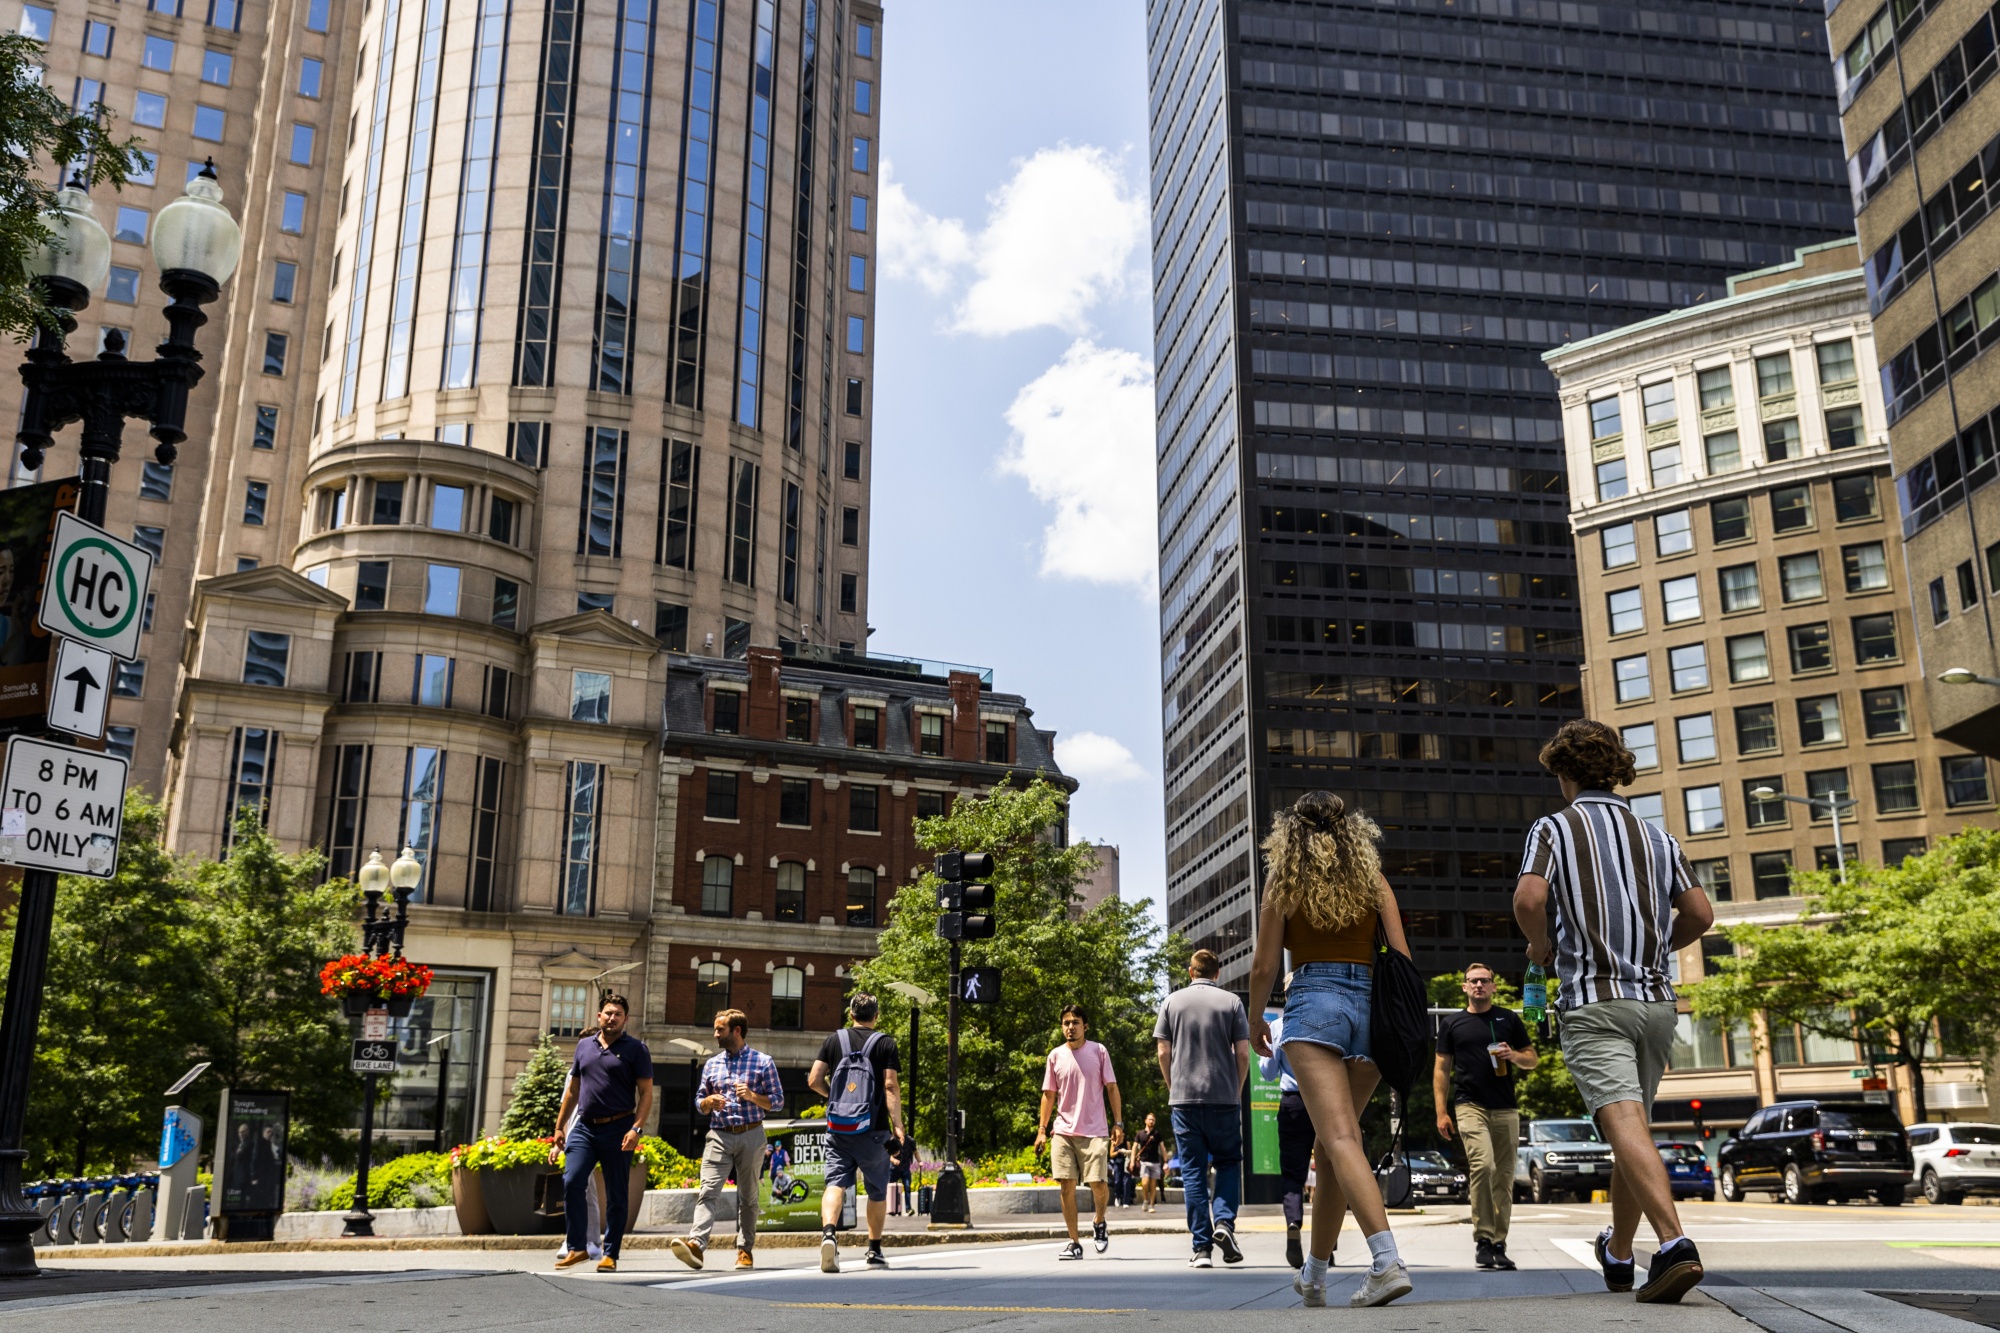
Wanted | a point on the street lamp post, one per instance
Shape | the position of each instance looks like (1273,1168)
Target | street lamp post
(196,245)
(1833,805)
(381,937)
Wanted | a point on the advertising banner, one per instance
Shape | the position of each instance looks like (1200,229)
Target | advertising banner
(795,1177)
(1263,1115)
(255,1126)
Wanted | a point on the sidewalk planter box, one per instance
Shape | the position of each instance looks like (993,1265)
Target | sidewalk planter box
(673,1210)
(469,1202)
(510,1194)
(426,1222)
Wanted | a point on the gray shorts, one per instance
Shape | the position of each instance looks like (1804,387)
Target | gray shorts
(1616,1050)
(865,1154)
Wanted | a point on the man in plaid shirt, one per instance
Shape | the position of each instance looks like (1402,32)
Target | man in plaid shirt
(739,1087)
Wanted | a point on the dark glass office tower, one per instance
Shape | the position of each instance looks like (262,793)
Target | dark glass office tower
(1370,219)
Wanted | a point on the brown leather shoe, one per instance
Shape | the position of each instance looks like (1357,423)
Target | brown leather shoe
(687,1250)
(571,1258)
(607,1264)
(744,1260)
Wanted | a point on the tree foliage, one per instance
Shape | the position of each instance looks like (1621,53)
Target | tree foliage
(41,132)
(1903,951)
(531,1111)
(1110,959)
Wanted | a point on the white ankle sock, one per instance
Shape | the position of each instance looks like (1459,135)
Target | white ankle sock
(1382,1252)
(1315,1271)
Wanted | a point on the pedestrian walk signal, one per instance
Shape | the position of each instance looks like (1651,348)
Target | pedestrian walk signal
(979,985)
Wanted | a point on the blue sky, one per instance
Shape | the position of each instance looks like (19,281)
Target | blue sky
(1013,509)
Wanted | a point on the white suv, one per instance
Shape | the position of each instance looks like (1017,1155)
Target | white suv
(1954,1160)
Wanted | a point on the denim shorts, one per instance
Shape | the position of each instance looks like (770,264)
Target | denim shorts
(1328,1005)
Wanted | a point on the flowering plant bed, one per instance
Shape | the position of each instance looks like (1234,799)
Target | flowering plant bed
(357,974)
(496,1151)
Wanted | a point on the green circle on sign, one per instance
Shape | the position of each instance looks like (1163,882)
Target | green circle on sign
(131,582)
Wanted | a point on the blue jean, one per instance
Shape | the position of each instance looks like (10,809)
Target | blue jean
(588,1147)
(1206,1136)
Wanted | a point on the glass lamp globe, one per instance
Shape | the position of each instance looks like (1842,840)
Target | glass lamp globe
(374,875)
(78,248)
(407,871)
(196,233)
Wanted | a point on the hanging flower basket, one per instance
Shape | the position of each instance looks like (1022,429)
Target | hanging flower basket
(363,983)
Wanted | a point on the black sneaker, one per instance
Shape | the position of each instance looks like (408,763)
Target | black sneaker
(1617,1272)
(1483,1254)
(1100,1236)
(1295,1253)
(1672,1274)
(874,1257)
(1500,1259)
(1225,1240)
(1073,1250)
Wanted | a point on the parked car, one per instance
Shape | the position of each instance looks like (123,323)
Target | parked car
(1955,1160)
(1558,1157)
(1688,1172)
(1432,1176)
(1813,1151)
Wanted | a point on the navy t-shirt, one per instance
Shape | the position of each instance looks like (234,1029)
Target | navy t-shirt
(607,1080)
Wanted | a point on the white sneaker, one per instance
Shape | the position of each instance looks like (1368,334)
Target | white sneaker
(829,1255)
(1381,1288)
(1200,1259)
(1313,1293)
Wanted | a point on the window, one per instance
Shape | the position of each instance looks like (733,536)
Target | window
(209,122)
(1748,658)
(1895,787)
(1826,785)
(244,562)
(266,657)
(498,685)
(1650,808)
(670,626)
(1739,588)
(867,728)
(1866,567)
(1781,440)
(1673,533)
(677,504)
(1688,665)
(249,777)
(853,407)
(128,679)
(1771,874)
(1756,728)
(1774,375)
(122,286)
(864,98)
(351,764)
(1605,420)
(433,683)
(795,802)
(594,601)
(721,795)
(1611,482)
(224,14)
(1760,811)
(448,508)
(857,212)
(284,281)
(1819,720)
(997,738)
(850,526)
(860,896)
(1875,639)
(1968,586)
(1704,809)
(316,15)
(728,712)
(798,720)
(857,334)
(741,539)
(590,696)
(1663,465)
(850,591)
(371,585)
(1729,520)
(274,353)
(718,886)
(860,153)
(309,77)
(1940,604)
(1811,647)
(857,273)
(711,988)
(97,38)
(791,891)
(850,464)
(145,167)
(788,1003)
(1630,679)
(1713,876)
(601,529)
(1965,781)
(441,590)
(37,22)
(256,499)
(930,733)
(1657,401)
(1717,390)
(1894,850)
(292,214)
(1723,452)
(149,539)
(1627,610)
(506,602)
(1696,738)
(1791,509)
(864,809)
(500,519)
(1643,741)
(1836,363)
(1845,429)
(1621,545)
(156,481)
(1853,498)
(1799,576)
(1682,599)
(930,805)
(158,53)
(130,225)
(486,811)
(361,681)
(1884,712)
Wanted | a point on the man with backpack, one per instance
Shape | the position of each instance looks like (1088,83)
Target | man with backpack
(857,1073)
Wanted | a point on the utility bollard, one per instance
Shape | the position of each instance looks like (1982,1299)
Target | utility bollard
(194,1213)
(112,1229)
(90,1218)
(66,1212)
(145,1205)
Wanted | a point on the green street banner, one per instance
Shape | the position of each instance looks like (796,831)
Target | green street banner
(1263,1115)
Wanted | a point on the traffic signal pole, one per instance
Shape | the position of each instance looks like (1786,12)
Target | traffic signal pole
(949,1205)
(951,1064)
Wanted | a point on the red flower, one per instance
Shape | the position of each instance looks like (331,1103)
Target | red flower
(387,978)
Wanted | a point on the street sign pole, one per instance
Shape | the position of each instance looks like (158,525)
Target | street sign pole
(949,1205)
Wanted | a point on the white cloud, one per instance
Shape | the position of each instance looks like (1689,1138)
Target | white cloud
(1083,441)
(1060,237)
(1089,757)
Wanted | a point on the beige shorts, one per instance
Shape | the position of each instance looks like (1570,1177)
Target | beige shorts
(1616,1050)
(1076,1157)
(1152,1171)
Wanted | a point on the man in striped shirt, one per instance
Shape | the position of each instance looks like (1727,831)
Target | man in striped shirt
(1623,898)
(738,1087)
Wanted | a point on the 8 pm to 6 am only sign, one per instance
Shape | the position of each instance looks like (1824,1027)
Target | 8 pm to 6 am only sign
(95,588)
(61,809)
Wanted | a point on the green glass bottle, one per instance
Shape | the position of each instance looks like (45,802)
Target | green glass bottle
(1535,995)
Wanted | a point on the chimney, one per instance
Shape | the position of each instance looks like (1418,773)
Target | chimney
(966,732)
(766,721)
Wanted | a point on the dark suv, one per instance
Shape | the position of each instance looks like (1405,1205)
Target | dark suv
(1813,1151)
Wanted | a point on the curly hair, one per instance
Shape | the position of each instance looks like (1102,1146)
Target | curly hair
(1589,754)
(1321,862)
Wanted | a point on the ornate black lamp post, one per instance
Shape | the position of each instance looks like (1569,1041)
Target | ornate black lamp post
(381,937)
(196,244)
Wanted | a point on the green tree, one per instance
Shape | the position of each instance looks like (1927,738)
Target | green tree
(531,1111)
(1892,949)
(1110,959)
(40,130)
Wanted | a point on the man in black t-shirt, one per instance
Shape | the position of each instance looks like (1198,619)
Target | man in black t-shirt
(1480,1053)
(859,1158)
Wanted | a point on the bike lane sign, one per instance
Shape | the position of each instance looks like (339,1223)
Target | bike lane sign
(61,809)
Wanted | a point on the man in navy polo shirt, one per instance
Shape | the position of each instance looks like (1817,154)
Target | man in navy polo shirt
(611,1088)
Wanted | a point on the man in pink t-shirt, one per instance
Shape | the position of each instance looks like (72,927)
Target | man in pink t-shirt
(1078,1080)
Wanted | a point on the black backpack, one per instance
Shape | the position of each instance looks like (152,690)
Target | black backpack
(1399,1034)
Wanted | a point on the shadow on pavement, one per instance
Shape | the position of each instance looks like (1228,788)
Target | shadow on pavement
(96,1281)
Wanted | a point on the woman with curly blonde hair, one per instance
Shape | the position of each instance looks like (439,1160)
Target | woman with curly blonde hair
(1324,900)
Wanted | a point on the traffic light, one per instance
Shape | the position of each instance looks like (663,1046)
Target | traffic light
(965,908)
(1700,1130)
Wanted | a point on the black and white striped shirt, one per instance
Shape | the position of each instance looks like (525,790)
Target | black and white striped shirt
(1613,878)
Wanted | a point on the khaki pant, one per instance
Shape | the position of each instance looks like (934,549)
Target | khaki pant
(1490,1138)
(738,1153)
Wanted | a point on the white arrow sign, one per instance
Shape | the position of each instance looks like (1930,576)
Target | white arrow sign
(61,809)
(95,587)
(80,689)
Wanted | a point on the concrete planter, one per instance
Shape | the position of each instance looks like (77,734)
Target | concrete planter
(503,1200)
(388,1222)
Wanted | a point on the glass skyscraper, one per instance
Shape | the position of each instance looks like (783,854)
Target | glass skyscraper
(1369,221)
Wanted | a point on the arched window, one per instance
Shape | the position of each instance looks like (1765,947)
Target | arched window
(718,880)
(788,998)
(791,891)
(711,990)
(861,896)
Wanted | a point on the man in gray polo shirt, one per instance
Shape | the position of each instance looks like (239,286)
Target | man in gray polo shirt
(1203,1038)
